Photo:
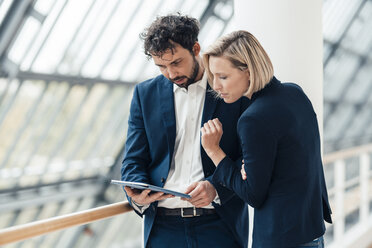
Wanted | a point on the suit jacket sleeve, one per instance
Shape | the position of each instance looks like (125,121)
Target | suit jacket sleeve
(224,193)
(259,151)
(136,154)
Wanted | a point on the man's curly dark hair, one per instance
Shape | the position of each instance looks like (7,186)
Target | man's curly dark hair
(167,30)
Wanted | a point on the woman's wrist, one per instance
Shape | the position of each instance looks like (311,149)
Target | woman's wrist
(216,155)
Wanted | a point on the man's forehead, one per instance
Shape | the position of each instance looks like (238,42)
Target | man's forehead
(168,56)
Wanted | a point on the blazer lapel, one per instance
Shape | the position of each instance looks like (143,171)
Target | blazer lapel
(210,104)
(165,91)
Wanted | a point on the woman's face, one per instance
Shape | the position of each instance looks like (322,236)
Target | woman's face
(228,81)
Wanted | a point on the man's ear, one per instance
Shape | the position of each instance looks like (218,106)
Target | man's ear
(196,49)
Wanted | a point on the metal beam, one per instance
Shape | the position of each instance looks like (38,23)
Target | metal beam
(72,80)
(11,24)
(75,182)
(336,45)
(53,195)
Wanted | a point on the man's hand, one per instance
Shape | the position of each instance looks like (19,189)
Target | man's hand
(144,197)
(202,193)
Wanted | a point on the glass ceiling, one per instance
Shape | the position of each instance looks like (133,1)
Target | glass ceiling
(67,71)
(347,36)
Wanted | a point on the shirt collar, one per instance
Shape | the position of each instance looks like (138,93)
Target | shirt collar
(202,83)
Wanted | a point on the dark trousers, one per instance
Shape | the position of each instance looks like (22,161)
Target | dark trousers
(194,232)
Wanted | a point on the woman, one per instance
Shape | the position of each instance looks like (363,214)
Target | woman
(282,175)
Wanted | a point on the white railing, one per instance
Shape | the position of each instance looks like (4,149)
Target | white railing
(349,179)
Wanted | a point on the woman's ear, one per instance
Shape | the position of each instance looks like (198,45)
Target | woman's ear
(247,74)
(196,49)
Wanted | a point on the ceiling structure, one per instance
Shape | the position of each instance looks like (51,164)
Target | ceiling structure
(67,71)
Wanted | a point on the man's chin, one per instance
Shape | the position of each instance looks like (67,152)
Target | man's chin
(182,85)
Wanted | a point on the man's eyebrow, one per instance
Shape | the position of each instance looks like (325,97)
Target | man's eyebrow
(176,61)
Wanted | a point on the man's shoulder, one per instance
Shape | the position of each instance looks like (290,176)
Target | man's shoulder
(152,82)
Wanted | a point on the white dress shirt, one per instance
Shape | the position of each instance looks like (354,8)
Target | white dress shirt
(186,165)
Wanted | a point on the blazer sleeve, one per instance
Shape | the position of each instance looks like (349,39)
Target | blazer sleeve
(259,147)
(224,193)
(136,153)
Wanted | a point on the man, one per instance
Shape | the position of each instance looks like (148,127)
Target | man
(163,146)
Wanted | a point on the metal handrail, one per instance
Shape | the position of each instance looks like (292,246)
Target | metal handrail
(37,228)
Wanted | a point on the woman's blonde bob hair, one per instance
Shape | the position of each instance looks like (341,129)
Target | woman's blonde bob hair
(244,51)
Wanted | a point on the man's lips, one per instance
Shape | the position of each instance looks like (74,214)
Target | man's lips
(179,81)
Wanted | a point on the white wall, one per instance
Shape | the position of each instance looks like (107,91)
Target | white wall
(291,33)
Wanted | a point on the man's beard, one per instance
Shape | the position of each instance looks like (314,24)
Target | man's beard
(190,80)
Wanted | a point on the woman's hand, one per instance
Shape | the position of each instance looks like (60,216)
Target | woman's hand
(211,137)
(242,171)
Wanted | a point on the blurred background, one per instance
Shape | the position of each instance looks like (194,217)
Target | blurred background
(67,71)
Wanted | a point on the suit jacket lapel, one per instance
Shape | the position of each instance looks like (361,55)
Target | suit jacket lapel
(165,91)
(210,104)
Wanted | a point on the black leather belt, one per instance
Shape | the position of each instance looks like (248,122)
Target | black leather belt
(185,212)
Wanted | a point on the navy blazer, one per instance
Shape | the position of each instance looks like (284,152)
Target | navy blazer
(282,159)
(150,146)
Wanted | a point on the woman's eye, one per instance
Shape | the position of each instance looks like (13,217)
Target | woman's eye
(223,78)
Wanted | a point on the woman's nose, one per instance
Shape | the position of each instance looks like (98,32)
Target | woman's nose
(216,85)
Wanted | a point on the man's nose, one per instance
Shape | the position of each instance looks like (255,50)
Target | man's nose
(172,73)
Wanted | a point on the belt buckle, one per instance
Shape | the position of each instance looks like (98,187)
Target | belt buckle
(189,215)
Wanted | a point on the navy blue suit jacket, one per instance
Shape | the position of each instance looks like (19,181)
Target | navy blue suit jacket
(150,146)
(282,158)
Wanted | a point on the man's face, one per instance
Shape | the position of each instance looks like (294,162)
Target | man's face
(179,66)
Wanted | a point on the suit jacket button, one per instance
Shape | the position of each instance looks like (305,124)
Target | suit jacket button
(162,179)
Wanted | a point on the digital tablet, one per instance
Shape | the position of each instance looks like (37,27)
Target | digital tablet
(142,186)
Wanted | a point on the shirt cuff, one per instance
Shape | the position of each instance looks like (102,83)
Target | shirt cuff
(139,208)
(217,199)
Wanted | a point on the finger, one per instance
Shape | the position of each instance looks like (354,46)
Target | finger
(195,193)
(203,131)
(242,171)
(212,126)
(155,196)
(164,196)
(200,203)
(144,193)
(191,188)
(217,125)
(207,128)
(131,192)
(244,176)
